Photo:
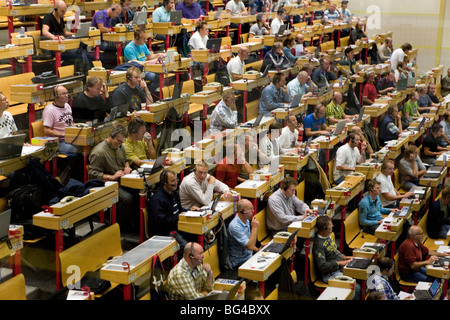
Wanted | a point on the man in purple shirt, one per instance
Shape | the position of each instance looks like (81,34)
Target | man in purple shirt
(102,21)
(190,9)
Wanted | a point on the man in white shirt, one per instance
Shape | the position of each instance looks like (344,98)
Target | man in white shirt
(347,157)
(289,134)
(200,37)
(236,7)
(236,66)
(400,55)
(197,188)
(302,84)
(278,20)
(7,124)
(300,50)
(389,195)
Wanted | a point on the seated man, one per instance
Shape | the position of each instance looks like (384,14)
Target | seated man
(200,37)
(348,60)
(289,134)
(138,51)
(138,145)
(197,189)
(162,14)
(347,157)
(411,109)
(370,208)
(236,8)
(242,233)
(300,49)
(56,117)
(334,111)
(331,15)
(430,145)
(381,281)
(424,102)
(108,161)
(386,83)
(301,84)
(102,20)
(275,58)
(432,93)
(236,66)
(412,255)
(327,257)
(364,144)
(229,168)
(385,50)
(278,20)
(133,92)
(190,10)
(410,168)
(261,27)
(224,115)
(7,124)
(388,129)
(274,95)
(190,278)
(53,28)
(323,75)
(283,207)
(126,15)
(269,144)
(165,206)
(438,223)
(390,196)
(369,93)
(314,123)
(93,103)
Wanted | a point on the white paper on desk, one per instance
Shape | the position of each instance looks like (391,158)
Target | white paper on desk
(402,295)
(132,175)
(387,220)
(195,213)
(296,225)
(251,184)
(30,149)
(439,242)
(147,165)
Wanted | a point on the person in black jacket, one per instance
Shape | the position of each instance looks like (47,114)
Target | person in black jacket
(93,103)
(165,206)
(438,223)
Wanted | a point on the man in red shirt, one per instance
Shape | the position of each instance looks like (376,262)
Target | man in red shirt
(228,169)
(413,257)
(369,91)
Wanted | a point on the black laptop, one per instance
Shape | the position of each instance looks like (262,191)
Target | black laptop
(405,211)
(281,247)
(266,71)
(428,294)
(420,191)
(282,30)
(175,17)
(213,45)
(361,114)
(307,145)
(5,220)
(11,146)
(158,165)
(253,124)
(323,210)
(359,263)
(433,172)
(214,203)
(402,84)
(177,88)
(422,122)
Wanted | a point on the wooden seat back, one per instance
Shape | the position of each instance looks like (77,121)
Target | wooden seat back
(262,235)
(351,226)
(211,256)
(14,288)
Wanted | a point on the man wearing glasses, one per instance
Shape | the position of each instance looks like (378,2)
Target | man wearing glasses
(224,115)
(108,162)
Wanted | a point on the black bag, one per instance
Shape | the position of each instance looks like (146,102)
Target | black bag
(157,288)
(24,202)
(94,282)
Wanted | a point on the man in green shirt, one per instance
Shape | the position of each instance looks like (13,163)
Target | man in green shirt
(334,112)
(410,108)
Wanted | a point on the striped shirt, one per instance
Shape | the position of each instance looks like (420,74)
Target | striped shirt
(381,284)
(185,283)
(135,149)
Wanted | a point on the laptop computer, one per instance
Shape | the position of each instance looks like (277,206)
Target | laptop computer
(438,107)
(428,294)
(359,263)
(295,101)
(176,92)
(214,45)
(266,71)
(112,114)
(361,114)
(118,111)
(253,124)
(307,145)
(323,210)
(405,211)
(140,17)
(218,13)
(419,127)
(11,146)
(439,263)
(5,220)
(421,191)
(213,205)
(281,247)
(339,128)
(433,172)
(402,84)
(158,165)
(175,17)
(282,30)
(169,56)
(411,82)
(83,30)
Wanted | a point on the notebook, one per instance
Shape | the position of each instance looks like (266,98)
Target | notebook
(213,205)
(361,114)
(433,172)
(295,101)
(402,84)
(254,124)
(308,143)
(420,191)
(11,146)
(323,210)
(359,263)
(5,220)
(422,122)
(282,30)
(266,71)
(218,13)
(169,56)
(281,247)
(158,165)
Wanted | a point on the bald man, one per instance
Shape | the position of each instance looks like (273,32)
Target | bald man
(102,19)
(236,66)
(300,50)
(334,111)
(53,25)
(242,232)
(190,278)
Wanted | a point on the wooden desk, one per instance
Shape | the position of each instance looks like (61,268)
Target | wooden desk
(440,272)
(434,183)
(25,50)
(385,232)
(118,38)
(254,190)
(261,265)
(16,241)
(130,266)
(246,85)
(141,183)
(97,200)
(369,169)
(282,113)
(296,162)
(328,142)
(240,20)
(335,293)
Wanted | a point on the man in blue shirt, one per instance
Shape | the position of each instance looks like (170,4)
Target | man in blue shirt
(162,14)
(190,10)
(243,234)
(136,50)
(274,95)
(314,123)
(370,209)
(323,75)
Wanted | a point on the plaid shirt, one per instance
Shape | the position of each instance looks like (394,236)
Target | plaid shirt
(185,283)
(381,284)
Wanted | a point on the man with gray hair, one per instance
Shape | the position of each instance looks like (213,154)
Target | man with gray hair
(275,58)
(224,115)
(302,84)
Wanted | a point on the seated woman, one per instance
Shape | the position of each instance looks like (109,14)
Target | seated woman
(93,103)
(410,168)
(138,145)
(289,44)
